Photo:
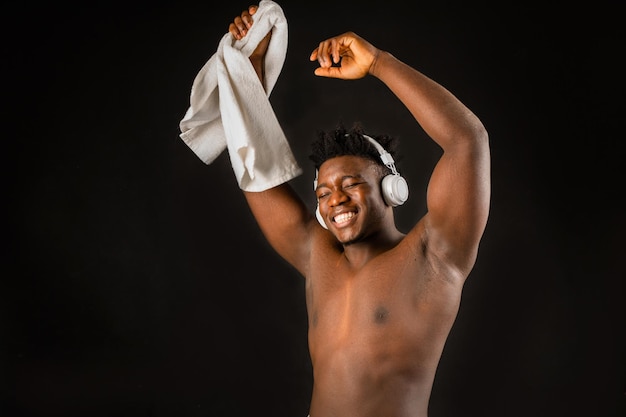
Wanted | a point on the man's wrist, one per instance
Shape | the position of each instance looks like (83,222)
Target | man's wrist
(259,67)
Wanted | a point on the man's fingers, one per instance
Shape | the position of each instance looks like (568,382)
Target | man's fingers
(247,20)
(238,28)
(330,72)
(241,24)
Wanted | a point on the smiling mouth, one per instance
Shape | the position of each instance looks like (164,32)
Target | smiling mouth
(343,218)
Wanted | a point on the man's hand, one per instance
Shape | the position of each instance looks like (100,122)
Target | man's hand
(357,57)
(241,24)
(239,29)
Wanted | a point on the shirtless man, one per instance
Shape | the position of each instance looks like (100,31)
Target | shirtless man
(380,303)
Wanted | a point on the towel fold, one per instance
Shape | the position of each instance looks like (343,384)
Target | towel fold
(230,109)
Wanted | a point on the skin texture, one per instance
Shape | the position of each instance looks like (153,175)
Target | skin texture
(380,303)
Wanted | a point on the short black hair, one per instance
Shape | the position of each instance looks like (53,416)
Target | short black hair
(341,141)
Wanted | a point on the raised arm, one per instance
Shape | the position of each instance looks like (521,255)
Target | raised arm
(281,214)
(458,196)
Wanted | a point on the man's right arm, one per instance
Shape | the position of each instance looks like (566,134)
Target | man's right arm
(282,216)
(286,222)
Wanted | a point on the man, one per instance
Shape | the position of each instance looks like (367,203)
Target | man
(380,302)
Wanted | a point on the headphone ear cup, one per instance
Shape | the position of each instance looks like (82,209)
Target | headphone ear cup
(395,190)
(320,219)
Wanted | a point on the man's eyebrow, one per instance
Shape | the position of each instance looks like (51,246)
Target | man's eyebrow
(345,177)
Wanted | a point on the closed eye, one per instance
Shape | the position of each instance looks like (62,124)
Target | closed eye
(324,194)
(352,185)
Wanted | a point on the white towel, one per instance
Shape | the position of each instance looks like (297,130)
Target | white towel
(230,109)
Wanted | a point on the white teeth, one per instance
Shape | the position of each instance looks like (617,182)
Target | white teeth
(344,217)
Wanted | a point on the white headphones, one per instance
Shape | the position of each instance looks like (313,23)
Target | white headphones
(394,187)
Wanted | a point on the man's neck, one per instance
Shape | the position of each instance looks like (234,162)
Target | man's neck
(359,253)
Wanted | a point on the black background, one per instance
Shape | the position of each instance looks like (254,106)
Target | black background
(138,284)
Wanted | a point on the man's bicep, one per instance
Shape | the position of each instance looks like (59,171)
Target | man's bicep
(458,198)
(284,220)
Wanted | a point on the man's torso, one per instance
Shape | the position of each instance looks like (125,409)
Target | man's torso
(376,334)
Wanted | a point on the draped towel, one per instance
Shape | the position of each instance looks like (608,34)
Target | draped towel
(230,108)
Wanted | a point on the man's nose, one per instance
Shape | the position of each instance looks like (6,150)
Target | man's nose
(337,197)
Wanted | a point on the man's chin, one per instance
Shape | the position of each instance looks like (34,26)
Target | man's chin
(347,239)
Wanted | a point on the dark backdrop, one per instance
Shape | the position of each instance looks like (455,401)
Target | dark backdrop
(138,284)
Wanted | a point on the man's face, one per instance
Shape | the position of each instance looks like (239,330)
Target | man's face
(350,202)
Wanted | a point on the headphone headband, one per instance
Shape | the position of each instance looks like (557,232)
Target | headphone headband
(384,155)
